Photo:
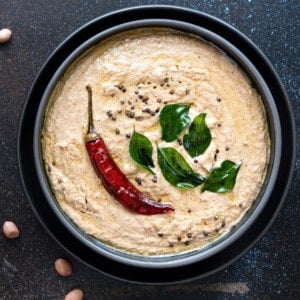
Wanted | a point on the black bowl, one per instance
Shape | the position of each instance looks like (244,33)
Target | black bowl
(171,268)
(182,259)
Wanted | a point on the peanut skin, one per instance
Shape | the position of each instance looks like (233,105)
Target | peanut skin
(5,35)
(63,267)
(76,294)
(10,230)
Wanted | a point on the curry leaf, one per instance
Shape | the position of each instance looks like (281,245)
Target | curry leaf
(176,170)
(199,137)
(222,179)
(140,149)
(173,119)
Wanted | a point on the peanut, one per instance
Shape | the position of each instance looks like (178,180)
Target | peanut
(5,35)
(63,267)
(10,230)
(76,294)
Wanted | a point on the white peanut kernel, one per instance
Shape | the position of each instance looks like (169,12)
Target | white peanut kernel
(5,35)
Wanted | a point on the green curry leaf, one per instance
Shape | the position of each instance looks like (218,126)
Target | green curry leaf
(222,179)
(199,137)
(176,170)
(140,149)
(173,118)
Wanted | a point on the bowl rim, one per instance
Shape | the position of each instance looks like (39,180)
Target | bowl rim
(157,10)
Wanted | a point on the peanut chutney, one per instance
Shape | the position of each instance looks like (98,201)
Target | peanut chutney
(134,75)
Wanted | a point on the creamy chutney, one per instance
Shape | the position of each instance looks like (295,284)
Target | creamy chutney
(134,75)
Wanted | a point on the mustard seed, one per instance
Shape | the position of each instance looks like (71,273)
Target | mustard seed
(145,99)
(146,110)
(138,180)
(189,235)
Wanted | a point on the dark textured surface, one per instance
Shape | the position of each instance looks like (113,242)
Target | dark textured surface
(270,270)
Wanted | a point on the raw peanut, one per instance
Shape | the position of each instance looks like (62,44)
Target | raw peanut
(63,267)
(5,35)
(76,294)
(10,230)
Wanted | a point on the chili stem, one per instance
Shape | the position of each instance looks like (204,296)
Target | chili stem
(91,132)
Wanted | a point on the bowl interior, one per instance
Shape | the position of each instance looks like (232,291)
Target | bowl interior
(218,245)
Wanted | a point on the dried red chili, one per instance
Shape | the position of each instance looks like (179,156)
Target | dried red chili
(114,181)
